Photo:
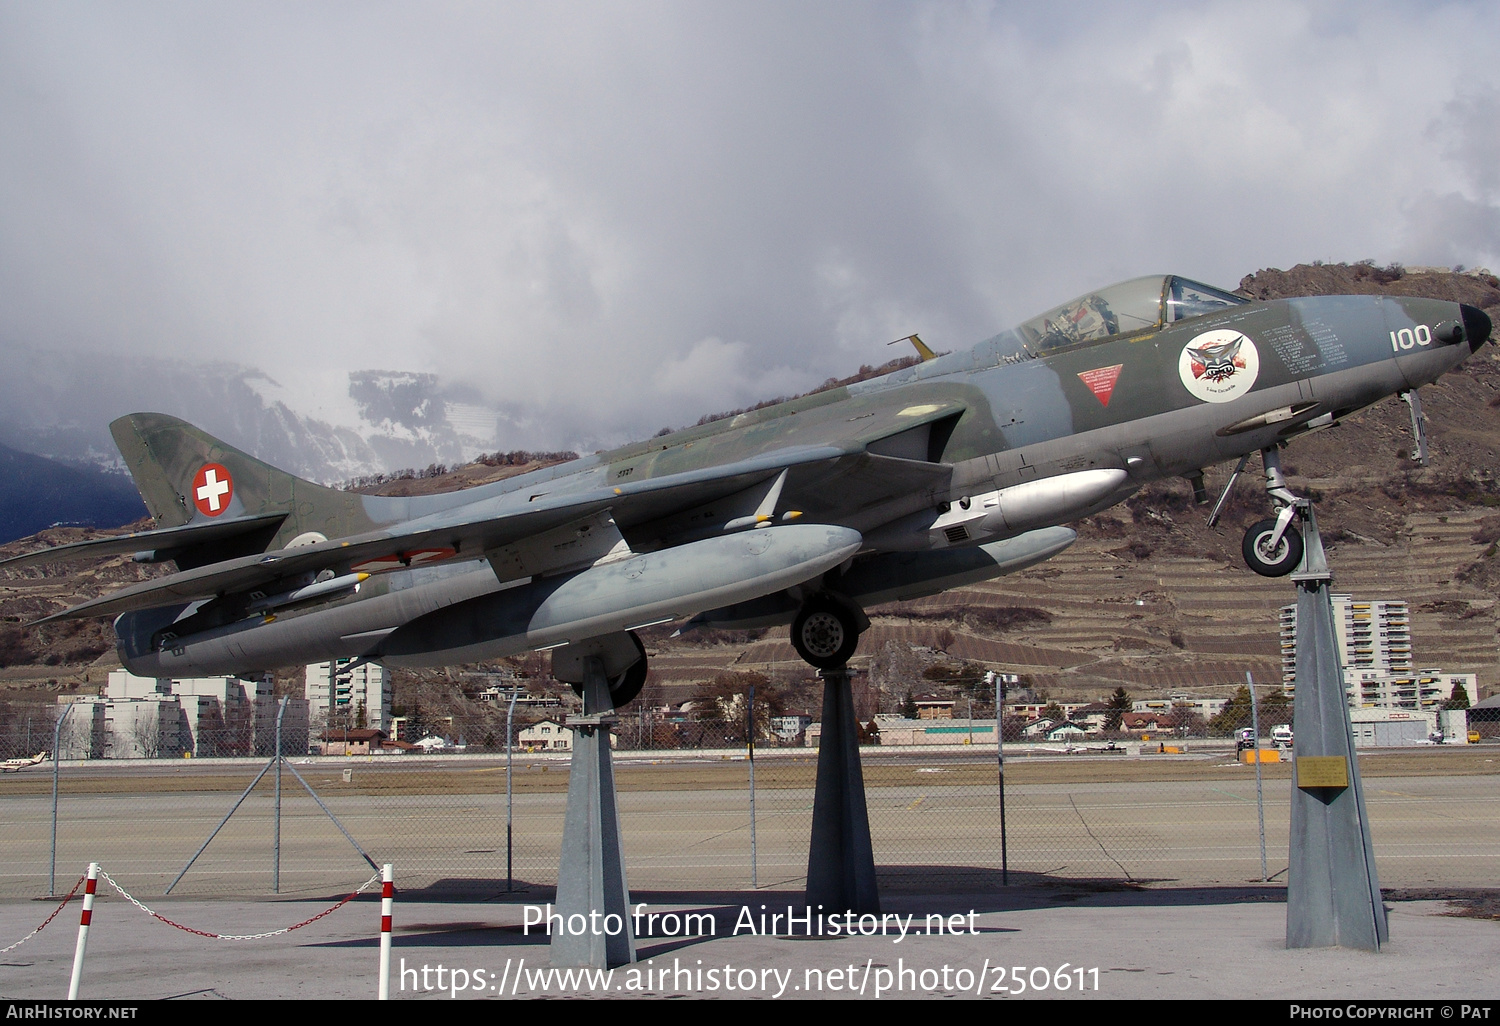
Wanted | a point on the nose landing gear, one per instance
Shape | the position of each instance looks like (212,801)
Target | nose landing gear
(1272,547)
(1270,555)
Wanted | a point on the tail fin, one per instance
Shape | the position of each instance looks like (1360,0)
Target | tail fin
(185,475)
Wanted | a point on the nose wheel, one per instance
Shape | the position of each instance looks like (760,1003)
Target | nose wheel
(825,631)
(1274,547)
(1270,555)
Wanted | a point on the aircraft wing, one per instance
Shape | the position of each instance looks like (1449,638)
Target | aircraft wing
(469,531)
(140,541)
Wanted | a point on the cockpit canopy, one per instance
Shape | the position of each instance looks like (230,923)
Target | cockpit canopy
(1141,304)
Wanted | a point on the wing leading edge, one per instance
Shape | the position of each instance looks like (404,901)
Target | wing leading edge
(465,532)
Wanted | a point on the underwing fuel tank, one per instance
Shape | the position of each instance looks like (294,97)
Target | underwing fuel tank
(1006,512)
(471,612)
(899,576)
(622,595)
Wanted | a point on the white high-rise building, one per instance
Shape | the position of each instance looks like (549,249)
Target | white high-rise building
(1373,637)
(1374,640)
(340,697)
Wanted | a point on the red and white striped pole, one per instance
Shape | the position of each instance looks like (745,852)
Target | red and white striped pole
(387,894)
(83,930)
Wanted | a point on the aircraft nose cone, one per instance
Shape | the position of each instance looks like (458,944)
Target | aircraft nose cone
(1476,326)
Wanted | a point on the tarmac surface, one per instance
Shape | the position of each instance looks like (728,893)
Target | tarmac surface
(1120,888)
(1030,940)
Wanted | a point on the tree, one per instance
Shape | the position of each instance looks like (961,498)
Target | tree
(1187,719)
(1275,708)
(909,707)
(1119,705)
(416,723)
(146,735)
(1459,699)
(1234,715)
(721,704)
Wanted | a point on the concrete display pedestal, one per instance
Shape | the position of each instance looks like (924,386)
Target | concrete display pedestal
(840,859)
(591,875)
(1333,896)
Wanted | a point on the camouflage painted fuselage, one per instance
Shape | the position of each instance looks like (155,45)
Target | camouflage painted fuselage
(887,458)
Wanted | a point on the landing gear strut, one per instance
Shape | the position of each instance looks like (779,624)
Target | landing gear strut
(1273,547)
(826,630)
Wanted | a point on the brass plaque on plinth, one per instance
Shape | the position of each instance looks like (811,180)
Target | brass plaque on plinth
(1322,771)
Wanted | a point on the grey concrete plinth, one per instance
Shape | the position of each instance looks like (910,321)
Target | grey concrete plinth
(1333,896)
(591,875)
(840,859)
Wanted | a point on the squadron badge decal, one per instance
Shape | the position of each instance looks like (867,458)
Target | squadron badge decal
(1218,366)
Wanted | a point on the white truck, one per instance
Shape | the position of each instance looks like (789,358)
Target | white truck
(1281,735)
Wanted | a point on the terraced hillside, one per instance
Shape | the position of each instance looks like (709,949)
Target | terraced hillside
(1148,598)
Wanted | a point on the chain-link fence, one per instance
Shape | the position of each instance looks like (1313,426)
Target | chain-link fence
(1126,811)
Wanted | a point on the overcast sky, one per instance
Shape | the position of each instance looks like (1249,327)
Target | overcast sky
(608,218)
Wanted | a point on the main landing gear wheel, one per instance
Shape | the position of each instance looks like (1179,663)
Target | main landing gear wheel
(825,633)
(624,688)
(1268,561)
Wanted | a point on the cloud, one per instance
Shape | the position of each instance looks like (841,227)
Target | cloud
(604,218)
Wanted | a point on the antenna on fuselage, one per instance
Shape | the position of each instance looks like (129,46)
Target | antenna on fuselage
(921,347)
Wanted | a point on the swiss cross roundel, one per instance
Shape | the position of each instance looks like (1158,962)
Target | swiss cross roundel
(212,489)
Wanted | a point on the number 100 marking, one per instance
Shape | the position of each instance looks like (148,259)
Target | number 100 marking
(1406,338)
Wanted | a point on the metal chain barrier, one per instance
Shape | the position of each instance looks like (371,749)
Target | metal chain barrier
(49,919)
(225,936)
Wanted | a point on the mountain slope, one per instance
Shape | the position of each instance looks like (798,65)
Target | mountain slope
(36,493)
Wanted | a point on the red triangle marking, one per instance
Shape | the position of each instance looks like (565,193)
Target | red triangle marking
(1101,381)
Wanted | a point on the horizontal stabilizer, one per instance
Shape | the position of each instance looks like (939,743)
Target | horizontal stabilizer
(164,540)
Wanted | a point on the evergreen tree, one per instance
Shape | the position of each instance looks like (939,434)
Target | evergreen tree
(1119,705)
(416,724)
(1235,714)
(1275,708)
(1459,699)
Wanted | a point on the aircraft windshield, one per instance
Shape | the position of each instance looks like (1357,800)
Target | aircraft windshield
(1131,306)
(1190,298)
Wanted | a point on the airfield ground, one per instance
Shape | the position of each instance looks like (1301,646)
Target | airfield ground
(1145,868)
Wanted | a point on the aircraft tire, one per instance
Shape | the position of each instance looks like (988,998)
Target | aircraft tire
(1278,563)
(624,688)
(825,633)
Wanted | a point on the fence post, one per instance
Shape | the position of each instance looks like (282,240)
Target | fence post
(1260,797)
(387,893)
(56,735)
(999,683)
(750,738)
(83,930)
(510,713)
(276,836)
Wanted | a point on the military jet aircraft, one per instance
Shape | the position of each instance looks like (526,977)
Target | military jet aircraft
(959,468)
